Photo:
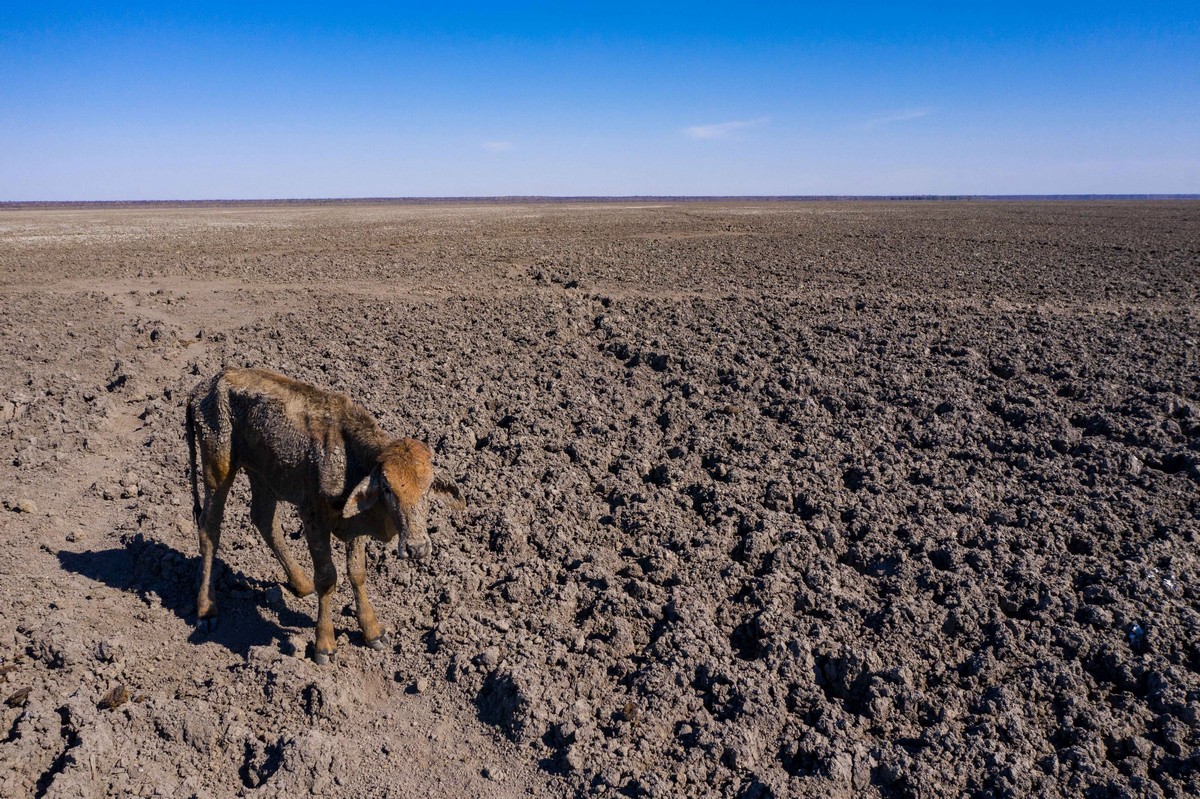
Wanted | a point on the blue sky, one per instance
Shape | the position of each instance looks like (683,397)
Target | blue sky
(262,100)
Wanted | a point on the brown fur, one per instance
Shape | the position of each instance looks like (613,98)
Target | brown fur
(406,465)
(321,452)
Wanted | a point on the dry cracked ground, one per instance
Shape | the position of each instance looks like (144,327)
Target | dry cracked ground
(764,499)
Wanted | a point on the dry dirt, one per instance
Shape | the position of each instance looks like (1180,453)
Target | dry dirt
(764,499)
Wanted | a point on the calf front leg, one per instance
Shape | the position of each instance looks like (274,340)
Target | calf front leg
(325,578)
(356,568)
(264,512)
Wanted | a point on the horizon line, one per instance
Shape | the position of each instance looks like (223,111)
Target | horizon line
(516,199)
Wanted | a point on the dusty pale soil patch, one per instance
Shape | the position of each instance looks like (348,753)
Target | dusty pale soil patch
(763,499)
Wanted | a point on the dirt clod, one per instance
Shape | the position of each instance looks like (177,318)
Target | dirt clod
(114,698)
(19,697)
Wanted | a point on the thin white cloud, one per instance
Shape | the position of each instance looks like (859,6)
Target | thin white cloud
(722,130)
(497,146)
(898,116)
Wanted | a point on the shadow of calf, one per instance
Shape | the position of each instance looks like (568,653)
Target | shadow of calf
(155,571)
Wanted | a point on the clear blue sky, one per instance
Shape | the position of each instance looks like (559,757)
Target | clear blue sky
(263,100)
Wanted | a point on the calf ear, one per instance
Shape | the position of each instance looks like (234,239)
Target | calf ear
(364,495)
(446,488)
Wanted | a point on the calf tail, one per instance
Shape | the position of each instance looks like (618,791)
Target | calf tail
(189,428)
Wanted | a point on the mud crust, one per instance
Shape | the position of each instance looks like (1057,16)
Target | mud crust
(894,500)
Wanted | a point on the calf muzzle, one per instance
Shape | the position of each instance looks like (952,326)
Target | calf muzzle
(416,547)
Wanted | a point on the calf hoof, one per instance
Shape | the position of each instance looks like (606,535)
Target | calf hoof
(380,643)
(322,658)
(298,591)
(206,625)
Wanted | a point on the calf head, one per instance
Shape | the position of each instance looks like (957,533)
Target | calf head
(398,491)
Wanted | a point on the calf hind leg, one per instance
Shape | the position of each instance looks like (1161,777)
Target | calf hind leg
(356,568)
(217,483)
(264,512)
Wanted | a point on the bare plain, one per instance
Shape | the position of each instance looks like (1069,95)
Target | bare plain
(763,499)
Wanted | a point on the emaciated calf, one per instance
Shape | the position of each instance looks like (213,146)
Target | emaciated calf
(328,457)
